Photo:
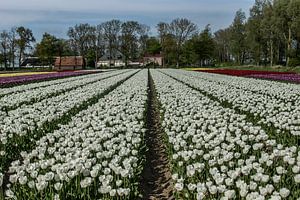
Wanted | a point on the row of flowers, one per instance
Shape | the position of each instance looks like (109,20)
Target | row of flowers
(286,91)
(22,88)
(279,77)
(22,126)
(96,155)
(283,114)
(14,100)
(239,72)
(8,81)
(217,154)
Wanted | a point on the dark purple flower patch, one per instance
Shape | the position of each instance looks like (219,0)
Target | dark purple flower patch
(10,81)
(279,77)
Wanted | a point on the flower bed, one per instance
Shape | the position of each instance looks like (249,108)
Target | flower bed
(27,87)
(20,127)
(14,100)
(226,137)
(96,155)
(279,114)
(279,77)
(8,81)
(217,153)
(236,72)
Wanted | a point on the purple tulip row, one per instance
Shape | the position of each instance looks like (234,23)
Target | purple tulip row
(31,78)
(279,77)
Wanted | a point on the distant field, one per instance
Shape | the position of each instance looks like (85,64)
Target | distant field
(278,74)
(261,68)
(12,79)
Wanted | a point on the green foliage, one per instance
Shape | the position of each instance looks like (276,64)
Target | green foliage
(294,62)
(204,46)
(189,56)
(90,58)
(267,37)
(1,58)
(238,35)
(82,38)
(153,46)
(47,49)
(4,46)
(173,38)
(129,40)
(24,40)
(222,42)
(256,29)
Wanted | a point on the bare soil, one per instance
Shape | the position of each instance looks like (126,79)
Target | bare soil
(156,181)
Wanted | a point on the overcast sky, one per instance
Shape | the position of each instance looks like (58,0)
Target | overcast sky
(55,16)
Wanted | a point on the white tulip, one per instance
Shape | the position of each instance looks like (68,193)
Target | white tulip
(297,178)
(178,186)
(284,192)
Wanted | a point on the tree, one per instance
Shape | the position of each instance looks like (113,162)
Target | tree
(189,56)
(254,28)
(13,40)
(287,15)
(204,46)
(81,38)
(98,43)
(48,48)
(222,41)
(63,49)
(111,33)
(1,59)
(5,41)
(164,37)
(143,32)
(24,40)
(294,13)
(129,40)
(153,46)
(238,35)
(271,36)
(182,29)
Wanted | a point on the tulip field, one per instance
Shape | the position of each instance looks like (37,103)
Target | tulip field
(89,137)
(271,75)
(12,79)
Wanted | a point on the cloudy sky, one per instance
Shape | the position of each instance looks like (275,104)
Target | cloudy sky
(55,16)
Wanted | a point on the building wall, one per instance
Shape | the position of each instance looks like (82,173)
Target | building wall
(156,60)
(105,63)
(65,68)
(69,63)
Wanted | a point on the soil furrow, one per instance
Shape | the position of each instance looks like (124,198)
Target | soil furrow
(156,182)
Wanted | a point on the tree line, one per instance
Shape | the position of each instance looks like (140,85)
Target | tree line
(269,36)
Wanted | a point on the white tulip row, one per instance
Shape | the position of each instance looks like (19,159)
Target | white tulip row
(15,99)
(287,91)
(21,88)
(21,121)
(217,154)
(95,155)
(284,115)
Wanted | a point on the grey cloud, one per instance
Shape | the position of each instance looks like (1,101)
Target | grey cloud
(56,16)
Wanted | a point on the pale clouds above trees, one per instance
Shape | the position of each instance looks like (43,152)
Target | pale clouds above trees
(54,15)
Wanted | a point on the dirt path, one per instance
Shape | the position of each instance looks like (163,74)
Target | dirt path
(156,182)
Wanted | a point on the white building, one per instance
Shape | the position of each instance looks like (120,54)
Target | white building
(115,60)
